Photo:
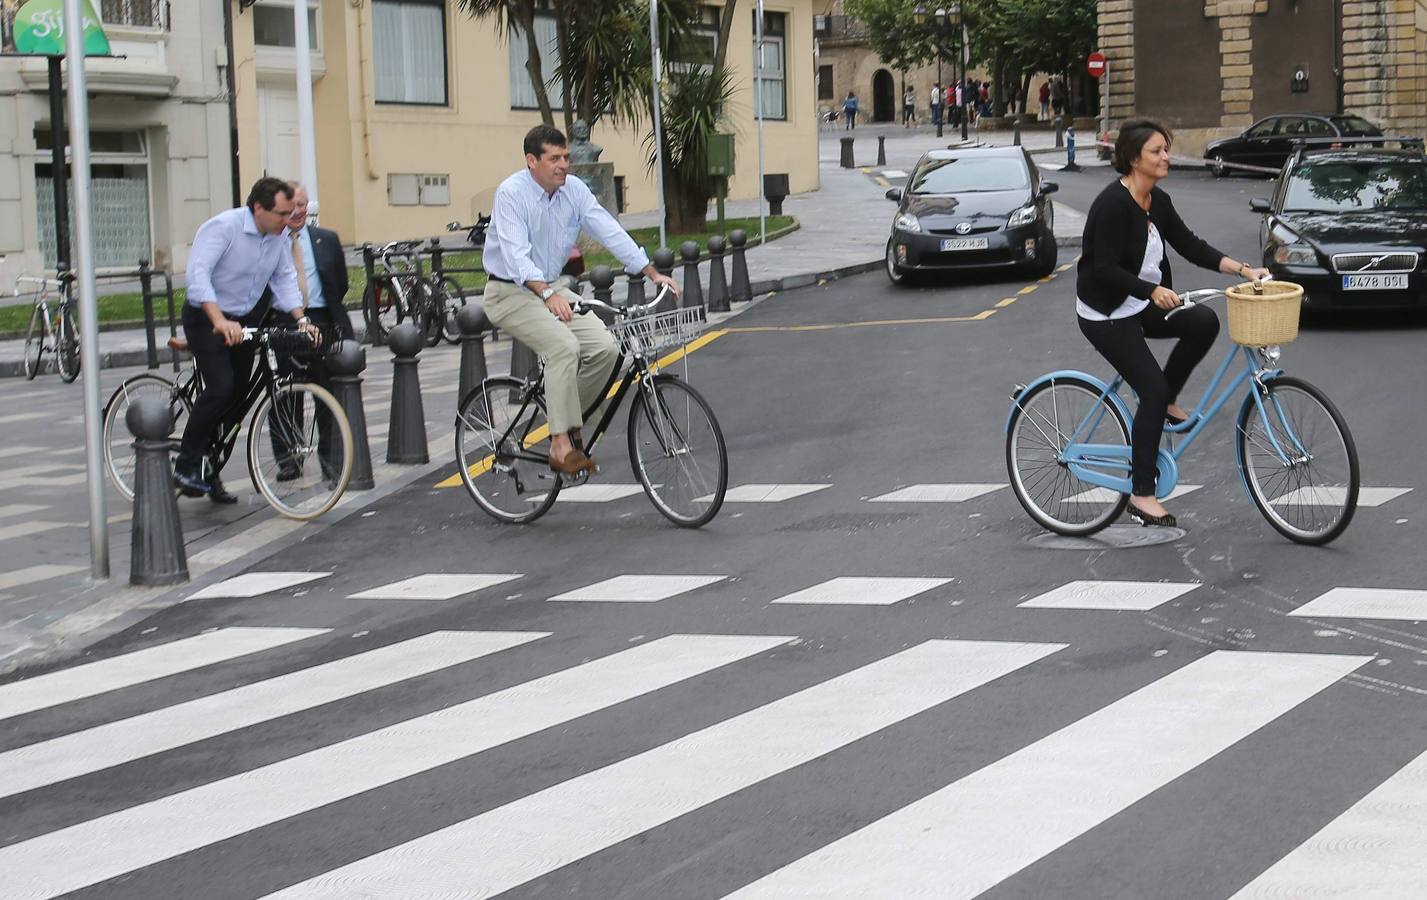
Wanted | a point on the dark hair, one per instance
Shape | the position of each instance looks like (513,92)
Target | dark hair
(1134,134)
(542,136)
(265,191)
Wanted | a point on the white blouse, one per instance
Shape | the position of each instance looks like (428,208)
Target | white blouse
(1132,305)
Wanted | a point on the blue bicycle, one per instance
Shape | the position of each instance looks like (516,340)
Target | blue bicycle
(1068,447)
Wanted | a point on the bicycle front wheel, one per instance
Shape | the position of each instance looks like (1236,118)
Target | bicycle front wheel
(677,450)
(502,448)
(118,442)
(381,307)
(34,342)
(1041,426)
(67,346)
(1309,490)
(300,450)
(455,300)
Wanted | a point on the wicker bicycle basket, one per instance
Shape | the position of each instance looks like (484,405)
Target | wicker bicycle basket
(1261,315)
(660,331)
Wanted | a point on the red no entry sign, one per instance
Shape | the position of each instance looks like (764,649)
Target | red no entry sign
(1095,64)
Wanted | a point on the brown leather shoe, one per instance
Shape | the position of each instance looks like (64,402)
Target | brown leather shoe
(573,463)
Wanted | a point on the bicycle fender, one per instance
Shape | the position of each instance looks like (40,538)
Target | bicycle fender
(1097,383)
(1168,478)
(1238,449)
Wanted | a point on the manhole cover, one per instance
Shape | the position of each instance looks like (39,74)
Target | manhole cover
(1116,537)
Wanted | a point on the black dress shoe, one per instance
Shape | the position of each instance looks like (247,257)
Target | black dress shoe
(1146,519)
(1175,421)
(219,494)
(190,484)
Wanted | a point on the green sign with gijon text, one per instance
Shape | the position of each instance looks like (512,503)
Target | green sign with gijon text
(37,27)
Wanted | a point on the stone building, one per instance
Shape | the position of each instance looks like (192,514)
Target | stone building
(1209,68)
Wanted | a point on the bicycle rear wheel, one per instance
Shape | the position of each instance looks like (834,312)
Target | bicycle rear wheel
(1312,498)
(1041,426)
(427,310)
(300,450)
(67,345)
(677,450)
(455,300)
(118,442)
(496,428)
(381,308)
(34,342)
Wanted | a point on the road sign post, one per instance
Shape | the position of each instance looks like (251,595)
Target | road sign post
(1099,68)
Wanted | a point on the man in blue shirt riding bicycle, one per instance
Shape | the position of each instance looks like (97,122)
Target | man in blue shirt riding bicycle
(537,216)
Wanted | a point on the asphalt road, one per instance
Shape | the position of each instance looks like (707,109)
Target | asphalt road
(1188,738)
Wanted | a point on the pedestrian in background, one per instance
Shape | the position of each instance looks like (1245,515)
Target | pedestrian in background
(1057,95)
(1045,100)
(909,108)
(937,92)
(849,111)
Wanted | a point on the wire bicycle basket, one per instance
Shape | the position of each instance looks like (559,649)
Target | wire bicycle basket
(649,334)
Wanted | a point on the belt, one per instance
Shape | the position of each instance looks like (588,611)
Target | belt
(490,277)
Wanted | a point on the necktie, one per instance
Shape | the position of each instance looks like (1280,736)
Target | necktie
(300,265)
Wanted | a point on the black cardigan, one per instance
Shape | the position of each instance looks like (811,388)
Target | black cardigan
(1113,247)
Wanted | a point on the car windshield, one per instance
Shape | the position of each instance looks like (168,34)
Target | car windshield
(970,173)
(1349,186)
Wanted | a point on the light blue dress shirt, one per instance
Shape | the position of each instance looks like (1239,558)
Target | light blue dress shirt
(315,300)
(531,232)
(231,263)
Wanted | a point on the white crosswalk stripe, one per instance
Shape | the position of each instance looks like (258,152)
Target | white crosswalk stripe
(1367,603)
(434,587)
(976,832)
(121,842)
(118,742)
(522,840)
(1132,595)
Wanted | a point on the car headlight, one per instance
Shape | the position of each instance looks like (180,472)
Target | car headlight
(906,222)
(1295,255)
(1023,216)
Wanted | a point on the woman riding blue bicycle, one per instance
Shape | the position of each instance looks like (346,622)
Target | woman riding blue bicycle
(1124,290)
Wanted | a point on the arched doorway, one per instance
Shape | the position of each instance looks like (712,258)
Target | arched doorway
(884,97)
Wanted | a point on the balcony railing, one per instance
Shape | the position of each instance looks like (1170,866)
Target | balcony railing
(135,13)
(838,28)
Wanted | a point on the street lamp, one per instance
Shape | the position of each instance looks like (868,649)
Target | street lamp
(943,17)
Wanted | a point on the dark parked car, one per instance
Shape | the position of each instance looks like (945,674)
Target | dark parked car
(1269,142)
(980,208)
(1350,226)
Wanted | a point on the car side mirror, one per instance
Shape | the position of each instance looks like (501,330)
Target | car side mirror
(895,195)
(1259,205)
(453,226)
(1049,187)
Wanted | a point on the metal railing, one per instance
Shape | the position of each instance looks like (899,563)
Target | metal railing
(839,28)
(135,13)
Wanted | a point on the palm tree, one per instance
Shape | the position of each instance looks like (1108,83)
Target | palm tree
(517,15)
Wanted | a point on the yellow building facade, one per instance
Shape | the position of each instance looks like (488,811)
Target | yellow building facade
(420,110)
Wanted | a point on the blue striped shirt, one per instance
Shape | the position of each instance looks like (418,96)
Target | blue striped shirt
(231,263)
(532,232)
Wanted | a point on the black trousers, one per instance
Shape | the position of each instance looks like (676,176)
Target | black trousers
(1122,342)
(225,371)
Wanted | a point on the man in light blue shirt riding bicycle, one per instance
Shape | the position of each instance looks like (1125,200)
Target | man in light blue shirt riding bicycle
(536,218)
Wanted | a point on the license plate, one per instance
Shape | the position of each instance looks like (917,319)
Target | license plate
(970,244)
(1375,282)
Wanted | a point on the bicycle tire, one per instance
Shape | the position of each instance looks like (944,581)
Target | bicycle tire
(302,497)
(492,476)
(35,342)
(67,345)
(118,443)
(670,421)
(1281,492)
(1044,486)
(454,302)
(381,308)
(425,307)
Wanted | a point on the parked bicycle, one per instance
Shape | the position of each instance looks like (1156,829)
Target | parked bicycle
(299,442)
(398,292)
(676,447)
(1068,446)
(476,232)
(55,330)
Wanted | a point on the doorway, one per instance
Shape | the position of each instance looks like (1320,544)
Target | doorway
(884,97)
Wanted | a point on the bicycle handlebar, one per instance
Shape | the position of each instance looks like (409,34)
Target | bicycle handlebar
(628,312)
(1191,299)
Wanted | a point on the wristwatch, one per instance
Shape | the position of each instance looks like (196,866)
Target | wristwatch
(304,321)
(547,293)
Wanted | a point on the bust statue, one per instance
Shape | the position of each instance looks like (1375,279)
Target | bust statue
(581,150)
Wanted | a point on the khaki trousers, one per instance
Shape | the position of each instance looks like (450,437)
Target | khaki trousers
(578,355)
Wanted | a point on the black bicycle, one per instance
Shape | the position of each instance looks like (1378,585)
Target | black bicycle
(676,447)
(299,441)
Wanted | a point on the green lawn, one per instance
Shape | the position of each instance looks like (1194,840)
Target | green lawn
(128,309)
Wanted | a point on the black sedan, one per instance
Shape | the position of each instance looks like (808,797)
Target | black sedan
(1351,227)
(982,208)
(1269,142)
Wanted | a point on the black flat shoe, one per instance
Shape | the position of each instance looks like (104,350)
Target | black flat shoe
(219,494)
(190,484)
(1174,420)
(1146,519)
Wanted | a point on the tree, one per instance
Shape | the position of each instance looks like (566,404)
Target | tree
(893,32)
(517,16)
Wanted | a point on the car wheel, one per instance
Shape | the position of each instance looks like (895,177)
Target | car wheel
(895,273)
(1046,257)
(1216,165)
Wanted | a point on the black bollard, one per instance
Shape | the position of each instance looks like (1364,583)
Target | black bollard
(1059,132)
(664,265)
(739,288)
(1016,131)
(881,149)
(693,293)
(602,279)
(406,434)
(635,296)
(718,285)
(846,160)
(156,554)
(346,367)
(473,324)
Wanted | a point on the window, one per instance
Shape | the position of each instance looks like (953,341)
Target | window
(1263,129)
(133,13)
(407,189)
(273,26)
(522,89)
(774,99)
(119,198)
(697,47)
(825,83)
(409,51)
(970,174)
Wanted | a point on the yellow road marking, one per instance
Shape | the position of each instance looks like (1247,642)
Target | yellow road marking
(1028,288)
(866,170)
(543,431)
(1046,278)
(832,326)
(1005,303)
(882,181)
(1066,266)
